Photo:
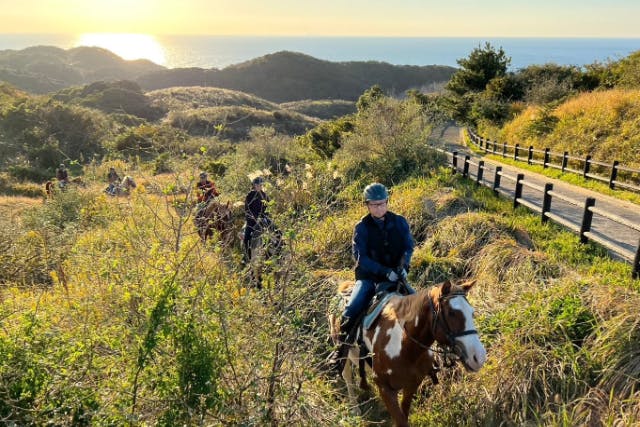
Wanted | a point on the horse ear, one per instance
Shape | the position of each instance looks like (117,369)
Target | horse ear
(446,288)
(468,285)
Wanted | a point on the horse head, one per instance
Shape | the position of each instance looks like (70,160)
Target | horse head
(128,183)
(452,323)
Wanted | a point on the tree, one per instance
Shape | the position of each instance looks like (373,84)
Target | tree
(467,86)
(482,65)
(368,97)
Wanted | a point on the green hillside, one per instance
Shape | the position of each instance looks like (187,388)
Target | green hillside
(43,69)
(603,124)
(114,312)
(290,76)
(278,77)
(322,109)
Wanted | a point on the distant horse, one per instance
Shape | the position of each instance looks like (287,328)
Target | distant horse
(50,187)
(215,216)
(122,188)
(399,341)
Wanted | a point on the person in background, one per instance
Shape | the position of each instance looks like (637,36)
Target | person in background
(382,248)
(206,189)
(255,210)
(62,175)
(114,181)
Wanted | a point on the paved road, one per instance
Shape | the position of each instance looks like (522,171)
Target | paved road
(627,238)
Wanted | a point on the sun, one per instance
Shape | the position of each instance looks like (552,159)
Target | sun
(126,46)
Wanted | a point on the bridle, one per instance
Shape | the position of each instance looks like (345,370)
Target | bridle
(451,336)
(451,350)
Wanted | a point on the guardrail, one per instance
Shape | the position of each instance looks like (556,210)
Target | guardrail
(613,173)
(544,208)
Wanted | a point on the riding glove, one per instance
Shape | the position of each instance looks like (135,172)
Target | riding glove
(392,276)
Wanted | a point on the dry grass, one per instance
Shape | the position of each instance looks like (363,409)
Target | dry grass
(603,124)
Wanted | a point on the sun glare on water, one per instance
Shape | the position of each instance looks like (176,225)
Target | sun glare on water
(126,46)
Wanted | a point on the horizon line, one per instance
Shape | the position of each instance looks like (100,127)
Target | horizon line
(324,35)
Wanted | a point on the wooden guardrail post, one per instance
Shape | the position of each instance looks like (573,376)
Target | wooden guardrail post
(504,149)
(546,201)
(530,155)
(496,179)
(480,172)
(518,192)
(587,217)
(636,264)
(565,160)
(587,166)
(454,161)
(465,167)
(515,152)
(614,174)
(547,156)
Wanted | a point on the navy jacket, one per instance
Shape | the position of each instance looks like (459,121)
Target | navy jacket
(379,246)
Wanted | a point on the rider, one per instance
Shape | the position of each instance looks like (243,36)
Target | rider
(382,247)
(114,180)
(255,212)
(62,175)
(206,189)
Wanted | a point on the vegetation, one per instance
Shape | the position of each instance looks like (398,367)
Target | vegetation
(115,313)
(278,77)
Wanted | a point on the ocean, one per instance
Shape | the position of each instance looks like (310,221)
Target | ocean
(222,51)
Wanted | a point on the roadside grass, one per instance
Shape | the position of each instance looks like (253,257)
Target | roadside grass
(570,178)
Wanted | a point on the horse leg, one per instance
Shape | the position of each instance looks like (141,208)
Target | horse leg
(407,397)
(390,399)
(364,354)
(347,375)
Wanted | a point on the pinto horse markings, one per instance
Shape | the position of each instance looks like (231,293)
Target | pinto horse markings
(399,342)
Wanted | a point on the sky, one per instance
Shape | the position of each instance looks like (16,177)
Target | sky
(391,18)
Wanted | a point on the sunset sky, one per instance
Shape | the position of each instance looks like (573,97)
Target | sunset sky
(454,18)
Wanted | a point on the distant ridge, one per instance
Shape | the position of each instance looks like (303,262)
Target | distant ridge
(291,76)
(278,77)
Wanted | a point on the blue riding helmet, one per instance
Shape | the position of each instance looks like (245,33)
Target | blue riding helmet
(258,180)
(203,175)
(375,192)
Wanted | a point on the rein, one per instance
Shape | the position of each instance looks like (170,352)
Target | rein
(447,350)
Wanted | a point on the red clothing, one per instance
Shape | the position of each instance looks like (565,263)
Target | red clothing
(206,191)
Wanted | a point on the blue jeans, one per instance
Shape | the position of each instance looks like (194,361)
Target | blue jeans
(361,296)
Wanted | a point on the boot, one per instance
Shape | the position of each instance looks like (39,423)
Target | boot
(338,357)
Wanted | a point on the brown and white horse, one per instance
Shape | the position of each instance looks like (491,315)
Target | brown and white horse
(215,216)
(399,341)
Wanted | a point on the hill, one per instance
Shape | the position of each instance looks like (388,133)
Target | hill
(291,76)
(43,69)
(278,77)
(602,124)
(325,109)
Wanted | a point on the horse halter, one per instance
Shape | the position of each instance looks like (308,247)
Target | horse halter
(451,336)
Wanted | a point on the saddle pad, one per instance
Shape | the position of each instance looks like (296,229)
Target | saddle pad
(369,318)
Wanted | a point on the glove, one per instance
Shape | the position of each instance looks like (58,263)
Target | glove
(392,276)
(403,274)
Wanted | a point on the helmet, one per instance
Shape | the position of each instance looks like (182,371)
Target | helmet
(61,165)
(203,175)
(375,191)
(258,180)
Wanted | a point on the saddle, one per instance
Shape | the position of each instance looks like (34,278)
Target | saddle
(384,292)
